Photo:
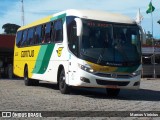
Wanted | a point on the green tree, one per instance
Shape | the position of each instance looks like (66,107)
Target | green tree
(149,40)
(149,35)
(10,28)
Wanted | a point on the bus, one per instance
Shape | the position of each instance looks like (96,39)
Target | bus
(85,48)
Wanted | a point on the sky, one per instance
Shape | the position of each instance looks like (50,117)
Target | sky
(10,10)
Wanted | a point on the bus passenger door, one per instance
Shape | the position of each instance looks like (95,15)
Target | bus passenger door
(72,68)
(73,41)
(73,57)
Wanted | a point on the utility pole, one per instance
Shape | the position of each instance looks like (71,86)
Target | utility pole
(22,13)
(153,46)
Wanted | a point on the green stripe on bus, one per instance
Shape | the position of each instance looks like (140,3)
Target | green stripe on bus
(127,69)
(58,17)
(39,59)
(43,58)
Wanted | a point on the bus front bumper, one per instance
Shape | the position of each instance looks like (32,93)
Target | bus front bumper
(85,79)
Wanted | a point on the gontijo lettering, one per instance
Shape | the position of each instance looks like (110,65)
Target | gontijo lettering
(27,53)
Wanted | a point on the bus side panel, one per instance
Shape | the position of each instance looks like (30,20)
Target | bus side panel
(25,56)
(58,57)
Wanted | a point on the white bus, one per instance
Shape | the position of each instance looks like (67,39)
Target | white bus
(85,48)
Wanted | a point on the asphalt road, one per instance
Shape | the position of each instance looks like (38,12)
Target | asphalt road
(15,96)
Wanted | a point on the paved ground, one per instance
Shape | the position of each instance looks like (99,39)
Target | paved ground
(15,96)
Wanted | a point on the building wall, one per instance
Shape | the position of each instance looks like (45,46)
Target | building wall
(7,41)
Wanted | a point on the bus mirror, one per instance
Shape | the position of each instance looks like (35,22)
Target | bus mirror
(79,26)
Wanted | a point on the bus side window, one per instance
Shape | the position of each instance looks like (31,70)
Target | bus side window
(34,34)
(19,38)
(38,34)
(30,36)
(24,38)
(43,33)
(58,31)
(47,33)
(51,32)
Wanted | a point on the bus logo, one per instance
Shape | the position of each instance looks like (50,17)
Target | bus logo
(114,75)
(59,51)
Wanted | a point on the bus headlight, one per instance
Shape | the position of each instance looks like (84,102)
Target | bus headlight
(136,73)
(86,68)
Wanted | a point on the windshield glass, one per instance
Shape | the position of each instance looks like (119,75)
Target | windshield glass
(110,44)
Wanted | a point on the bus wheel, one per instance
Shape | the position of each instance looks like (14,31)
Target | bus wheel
(63,87)
(112,92)
(35,82)
(10,71)
(27,81)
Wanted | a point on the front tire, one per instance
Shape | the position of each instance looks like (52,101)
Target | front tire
(27,81)
(112,92)
(63,87)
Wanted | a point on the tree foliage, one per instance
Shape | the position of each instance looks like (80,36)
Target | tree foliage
(149,35)
(10,28)
(149,38)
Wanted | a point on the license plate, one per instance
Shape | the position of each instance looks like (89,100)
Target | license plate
(111,86)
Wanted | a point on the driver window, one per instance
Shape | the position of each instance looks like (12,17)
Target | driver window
(72,38)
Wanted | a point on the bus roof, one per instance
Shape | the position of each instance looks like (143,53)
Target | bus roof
(101,15)
(41,21)
(86,14)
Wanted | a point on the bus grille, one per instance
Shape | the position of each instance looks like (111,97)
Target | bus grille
(105,82)
(111,75)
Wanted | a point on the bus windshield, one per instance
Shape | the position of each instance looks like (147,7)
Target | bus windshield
(110,44)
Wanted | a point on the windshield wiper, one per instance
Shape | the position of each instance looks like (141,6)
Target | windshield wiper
(102,53)
(119,48)
(101,56)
